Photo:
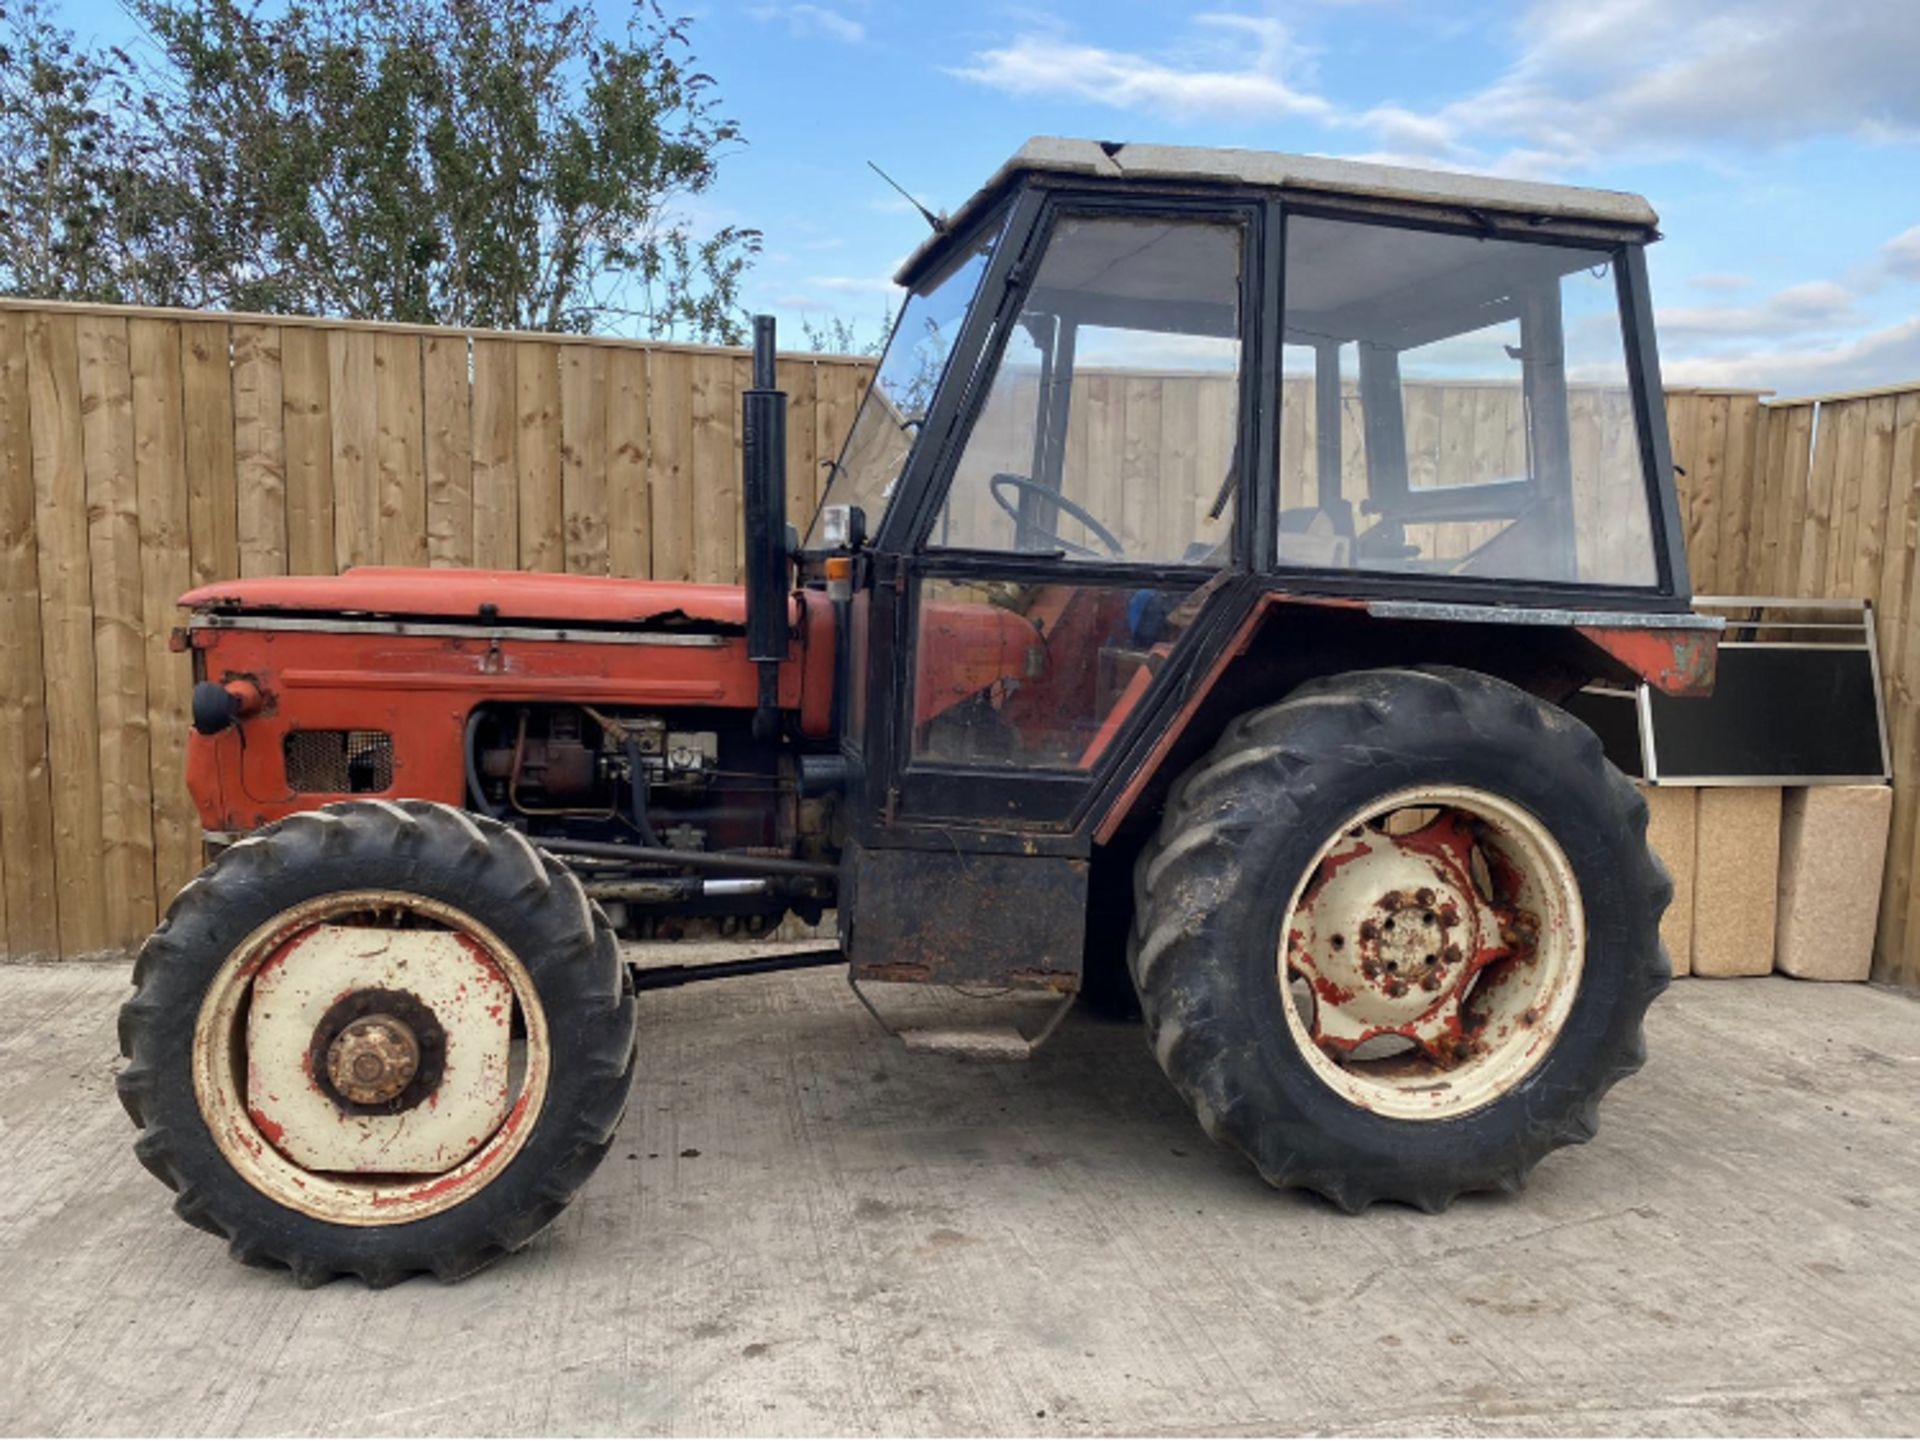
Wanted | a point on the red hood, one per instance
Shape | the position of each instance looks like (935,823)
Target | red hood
(463,595)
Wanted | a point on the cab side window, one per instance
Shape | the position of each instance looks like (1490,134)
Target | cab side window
(1457,405)
(1109,429)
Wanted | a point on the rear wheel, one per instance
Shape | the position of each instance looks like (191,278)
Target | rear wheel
(378,1039)
(1396,935)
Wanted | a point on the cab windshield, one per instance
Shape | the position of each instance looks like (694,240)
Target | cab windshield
(903,387)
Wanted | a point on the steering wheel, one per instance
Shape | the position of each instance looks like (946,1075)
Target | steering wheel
(1072,507)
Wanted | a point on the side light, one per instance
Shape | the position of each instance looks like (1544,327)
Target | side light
(843,527)
(839,577)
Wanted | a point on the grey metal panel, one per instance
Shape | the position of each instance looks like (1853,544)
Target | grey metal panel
(1469,613)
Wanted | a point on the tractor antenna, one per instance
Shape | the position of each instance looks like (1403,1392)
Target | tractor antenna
(937,222)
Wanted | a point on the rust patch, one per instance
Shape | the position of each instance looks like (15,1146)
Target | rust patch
(911,971)
(1063,983)
(1678,662)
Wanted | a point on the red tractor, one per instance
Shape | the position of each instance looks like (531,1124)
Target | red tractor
(1191,611)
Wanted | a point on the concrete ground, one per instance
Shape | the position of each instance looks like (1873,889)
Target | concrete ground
(804,1230)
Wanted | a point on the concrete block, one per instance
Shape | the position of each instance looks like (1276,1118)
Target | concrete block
(1833,848)
(1671,829)
(1736,880)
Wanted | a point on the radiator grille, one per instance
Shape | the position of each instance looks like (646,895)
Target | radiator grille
(339,762)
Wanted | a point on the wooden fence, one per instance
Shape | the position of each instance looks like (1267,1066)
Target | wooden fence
(1821,498)
(142,452)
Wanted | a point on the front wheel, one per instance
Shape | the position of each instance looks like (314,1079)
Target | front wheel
(1396,935)
(378,1039)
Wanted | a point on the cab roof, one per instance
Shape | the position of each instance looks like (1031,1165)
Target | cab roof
(1270,169)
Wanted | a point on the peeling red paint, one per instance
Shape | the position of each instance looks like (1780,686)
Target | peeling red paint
(1677,661)
(1331,992)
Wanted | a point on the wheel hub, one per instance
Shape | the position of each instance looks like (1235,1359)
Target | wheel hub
(1409,941)
(1413,953)
(377,1050)
(1389,936)
(373,1059)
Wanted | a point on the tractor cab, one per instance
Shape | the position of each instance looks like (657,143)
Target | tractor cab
(1147,407)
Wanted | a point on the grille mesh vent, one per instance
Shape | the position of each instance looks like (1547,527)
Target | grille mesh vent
(339,762)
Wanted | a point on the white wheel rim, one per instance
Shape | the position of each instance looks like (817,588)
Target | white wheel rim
(1431,953)
(220,1063)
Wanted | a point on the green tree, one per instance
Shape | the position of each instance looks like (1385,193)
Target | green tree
(837,335)
(85,210)
(492,163)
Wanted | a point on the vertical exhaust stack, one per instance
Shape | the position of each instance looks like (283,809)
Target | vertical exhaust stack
(763,412)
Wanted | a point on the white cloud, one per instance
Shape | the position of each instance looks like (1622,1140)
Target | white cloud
(1595,82)
(1815,307)
(1207,77)
(1880,357)
(1812,337)
(813,20)
(1720,281)
(1901,255)
(1600,81)
(1593,86)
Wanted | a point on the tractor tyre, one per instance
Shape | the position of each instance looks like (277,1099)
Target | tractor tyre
(378,1039)
(1396,935)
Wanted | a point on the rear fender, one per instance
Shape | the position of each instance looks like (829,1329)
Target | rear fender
(1286,640)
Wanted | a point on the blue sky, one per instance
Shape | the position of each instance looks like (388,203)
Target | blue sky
(1779,139)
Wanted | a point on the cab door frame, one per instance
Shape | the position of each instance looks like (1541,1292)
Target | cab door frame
(915,801)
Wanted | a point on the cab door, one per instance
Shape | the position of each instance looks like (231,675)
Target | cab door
(1081,521)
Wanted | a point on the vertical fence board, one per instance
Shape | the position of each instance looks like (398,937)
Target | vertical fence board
(449,454)
(1141,446)
(805,479)
(1895,585)
(1768,503)
(306,419)
(629,507)
(1897,955)
(259,449)
(120,668)
(496,460)
(1680,439)
(401,449)
(837,391)
(741,382)
(166,569)
(26,801)
(583,457)
(207,409)
(1705,499)
(542,524)
(1866,547)
(1844,521)
(1738,526)
(66,623)
(716,499)
(1816,533)
(355,460)
(670,463)
(1798,484)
